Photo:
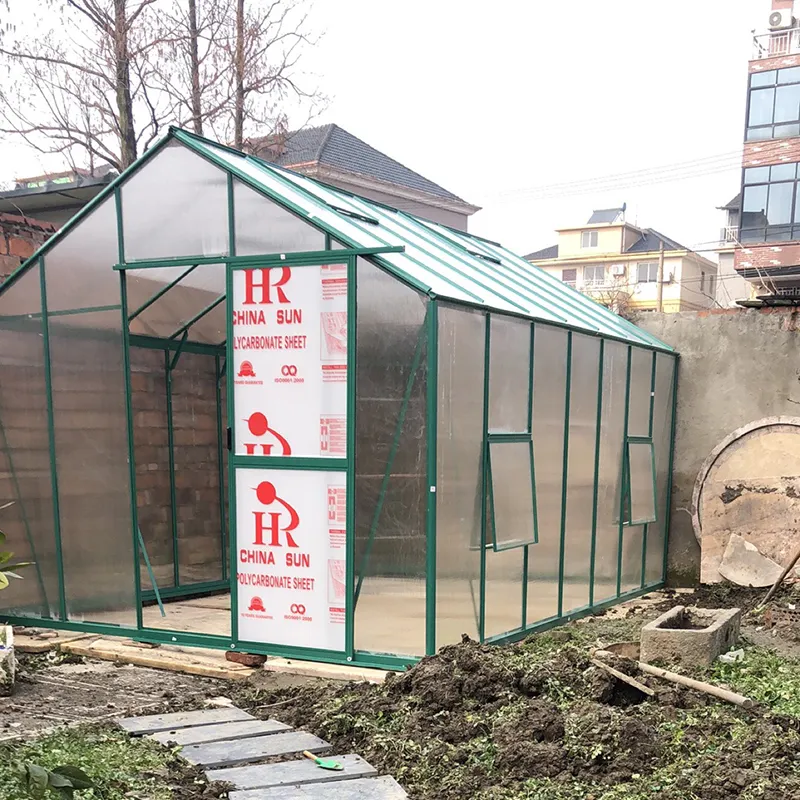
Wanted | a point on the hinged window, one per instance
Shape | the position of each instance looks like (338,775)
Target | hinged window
(639,482)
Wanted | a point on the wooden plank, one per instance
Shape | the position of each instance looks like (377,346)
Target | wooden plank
(228,754)
(384,788)
(292,773)
(155,723)
(197,661)
(225,731)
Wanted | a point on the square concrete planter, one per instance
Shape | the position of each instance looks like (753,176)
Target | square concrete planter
(690,636)
(7,662)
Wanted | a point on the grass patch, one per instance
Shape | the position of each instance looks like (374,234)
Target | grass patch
(766,677)
(121,767)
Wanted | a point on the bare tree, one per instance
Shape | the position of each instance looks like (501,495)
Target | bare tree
(98,85)
(82,87)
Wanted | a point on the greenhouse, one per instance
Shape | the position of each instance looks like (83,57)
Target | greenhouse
(241,409)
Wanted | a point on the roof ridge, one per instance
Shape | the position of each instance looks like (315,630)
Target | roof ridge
(326,138)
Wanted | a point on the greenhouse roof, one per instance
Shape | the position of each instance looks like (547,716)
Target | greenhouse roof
(437,260)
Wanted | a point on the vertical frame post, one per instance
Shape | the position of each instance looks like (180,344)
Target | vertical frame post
(484,482)
(352,429)
(596,471)
(51,437)
(668,502)
(126,366)
(565,477)
(233,574)
(624,472)
(173,494)
(432,401)
(653,457)
(218,370)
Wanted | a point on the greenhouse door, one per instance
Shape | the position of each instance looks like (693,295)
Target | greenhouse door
(291,425)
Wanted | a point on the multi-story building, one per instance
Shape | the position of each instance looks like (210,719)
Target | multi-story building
(625,267)
(732,288)
(767,247)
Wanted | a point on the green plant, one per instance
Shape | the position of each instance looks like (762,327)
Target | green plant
(62,781)
(9,570)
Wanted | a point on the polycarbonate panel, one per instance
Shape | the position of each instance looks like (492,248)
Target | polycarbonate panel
(662,440)
(391,499)
(80,265)
(580,471)
(196,449)
(263,227)
(641,480)
(549,397)
(609,483)
(210,328)
(632,542)
(641,380)
(195,292)
(503,591)
(512,493)
(151,454)
(90,420)
(25,477)
(509,374)
(175,205)
(459,483)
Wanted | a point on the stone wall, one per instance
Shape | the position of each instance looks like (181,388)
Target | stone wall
(736,366)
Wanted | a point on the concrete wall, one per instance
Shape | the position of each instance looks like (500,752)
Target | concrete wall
(736,366)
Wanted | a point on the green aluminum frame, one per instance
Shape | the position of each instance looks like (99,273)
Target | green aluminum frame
(180,341)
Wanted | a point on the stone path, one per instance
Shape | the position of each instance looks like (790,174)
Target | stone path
(224,739)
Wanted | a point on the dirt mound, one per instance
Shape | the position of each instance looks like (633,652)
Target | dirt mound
(538,720)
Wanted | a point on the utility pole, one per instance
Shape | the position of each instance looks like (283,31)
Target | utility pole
(660,280)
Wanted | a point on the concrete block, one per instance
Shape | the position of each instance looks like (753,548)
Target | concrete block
(383,788)
(242,751)
(225,731)
(745,565)
(690,636)
(156,723)
(8,664)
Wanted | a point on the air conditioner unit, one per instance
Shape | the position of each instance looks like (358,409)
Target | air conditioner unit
(618,270)
(780,20)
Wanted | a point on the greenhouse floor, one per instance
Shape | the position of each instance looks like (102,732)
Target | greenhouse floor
(390,615)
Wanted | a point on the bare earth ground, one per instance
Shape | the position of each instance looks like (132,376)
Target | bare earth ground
(532,721)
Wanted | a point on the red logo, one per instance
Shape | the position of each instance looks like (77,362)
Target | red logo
(271,278)
(298,609)
(246,370)
(289,370)
(258,425)
(267,496)
(256,605)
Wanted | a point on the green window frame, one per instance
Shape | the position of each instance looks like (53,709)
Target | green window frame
(498,500)
(639,495)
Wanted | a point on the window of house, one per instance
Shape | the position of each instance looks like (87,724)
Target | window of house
(569,276)
(594,276)
(773,110)
(770,204)
(647,272)
(589,239)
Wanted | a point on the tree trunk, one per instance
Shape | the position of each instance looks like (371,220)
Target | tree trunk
(194,60)
(238,113)
(127,133)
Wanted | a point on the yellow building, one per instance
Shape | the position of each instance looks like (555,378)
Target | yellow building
(618,265)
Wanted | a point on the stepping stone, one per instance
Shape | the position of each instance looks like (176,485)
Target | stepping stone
(155,723)
(360,789)
(292,773)
(224,731)
(240,751)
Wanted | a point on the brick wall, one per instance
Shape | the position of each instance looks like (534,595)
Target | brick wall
(20,237)
(764,256)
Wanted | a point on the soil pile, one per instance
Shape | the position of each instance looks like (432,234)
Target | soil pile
(538,720)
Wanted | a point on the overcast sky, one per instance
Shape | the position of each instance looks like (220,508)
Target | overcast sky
(495,100)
